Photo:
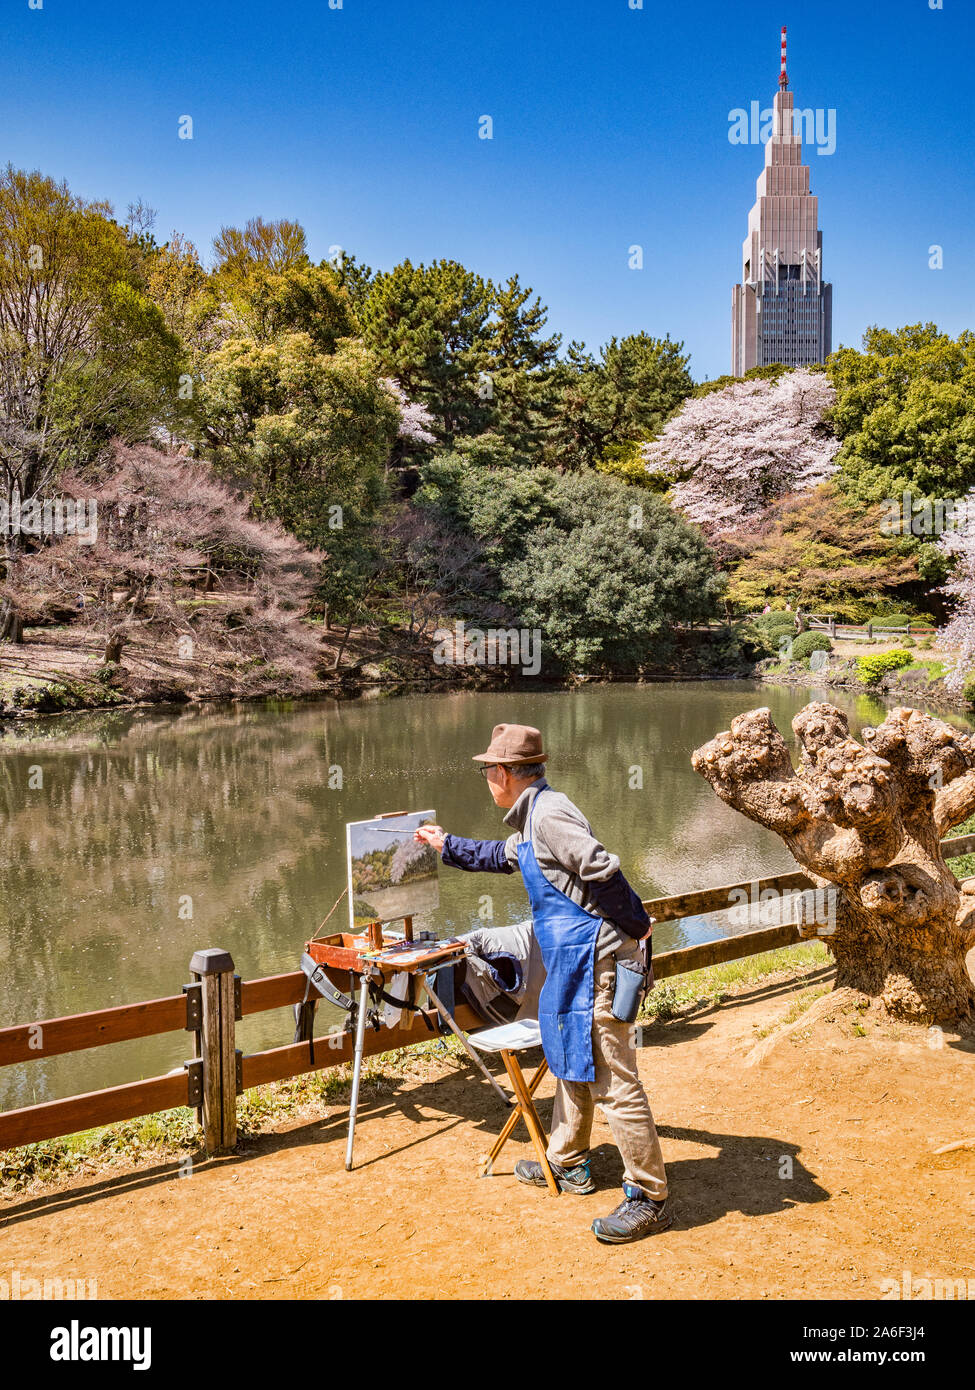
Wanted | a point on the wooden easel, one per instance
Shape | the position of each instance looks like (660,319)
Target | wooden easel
(368,954)
(373,958)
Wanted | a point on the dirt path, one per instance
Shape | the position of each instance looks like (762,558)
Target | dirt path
(809,1176)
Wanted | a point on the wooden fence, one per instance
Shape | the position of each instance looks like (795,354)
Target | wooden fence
(828,622)
(217,998)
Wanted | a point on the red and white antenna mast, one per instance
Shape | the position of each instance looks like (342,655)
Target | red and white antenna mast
(783,78)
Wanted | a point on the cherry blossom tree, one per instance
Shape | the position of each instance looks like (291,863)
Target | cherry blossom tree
(733,452)
(173,553)
(958,543)
(414,419)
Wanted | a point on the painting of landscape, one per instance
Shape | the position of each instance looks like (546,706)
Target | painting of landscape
(391,875)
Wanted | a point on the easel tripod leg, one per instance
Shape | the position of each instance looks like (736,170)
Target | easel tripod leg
(466,1045)
(360,1034)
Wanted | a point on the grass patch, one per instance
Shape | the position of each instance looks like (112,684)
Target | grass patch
(794,1011)
(963,865)
(170,1131)
(710,985)
(932,665)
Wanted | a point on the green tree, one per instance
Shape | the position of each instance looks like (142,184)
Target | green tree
(610,577)
(428,326)
(519,371)
(178,284)
(501,506)
(275,246)
(303,299)
(905,412)
(308,431)
(627,394)
(605,570)
(85,355)
(355,277)
(649,379)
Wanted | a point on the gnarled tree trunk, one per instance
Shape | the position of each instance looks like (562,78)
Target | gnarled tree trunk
(11,623)
(114,644)
(868,820)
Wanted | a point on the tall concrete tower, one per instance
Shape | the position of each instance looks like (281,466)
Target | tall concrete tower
(782,311)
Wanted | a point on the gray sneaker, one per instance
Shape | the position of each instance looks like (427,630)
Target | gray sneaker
(578,1180)
(636,1216)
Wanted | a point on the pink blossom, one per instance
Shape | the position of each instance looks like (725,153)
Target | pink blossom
(733,452)
(414,418)
(958,634)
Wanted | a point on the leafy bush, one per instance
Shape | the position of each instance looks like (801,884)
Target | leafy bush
(604,570)
(827,554)
(769,622)
(808,642)
(893,620)
(756,642)
(870,669)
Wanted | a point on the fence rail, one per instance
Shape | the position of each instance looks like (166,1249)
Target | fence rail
(828,622)
(210,1005)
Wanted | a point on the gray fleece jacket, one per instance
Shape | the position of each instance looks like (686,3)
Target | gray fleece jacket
(569,856)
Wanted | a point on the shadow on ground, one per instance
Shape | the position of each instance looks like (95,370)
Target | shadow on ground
(747,1173)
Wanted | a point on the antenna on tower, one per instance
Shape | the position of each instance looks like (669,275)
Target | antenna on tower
(783,76)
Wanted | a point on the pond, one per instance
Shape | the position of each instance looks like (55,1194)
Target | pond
(129,840)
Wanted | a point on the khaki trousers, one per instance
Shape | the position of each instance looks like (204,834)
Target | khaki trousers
(617,1088)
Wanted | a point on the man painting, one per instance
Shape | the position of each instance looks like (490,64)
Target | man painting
(586,917)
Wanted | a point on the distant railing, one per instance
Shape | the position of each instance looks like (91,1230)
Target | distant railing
(217,998)
(828,622)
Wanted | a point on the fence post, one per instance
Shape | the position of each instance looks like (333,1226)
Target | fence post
(214,969)
(869,629)
(832,626)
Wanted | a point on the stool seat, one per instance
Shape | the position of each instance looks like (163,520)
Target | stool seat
(509,1037)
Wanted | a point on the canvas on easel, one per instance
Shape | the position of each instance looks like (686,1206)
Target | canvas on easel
(391,875)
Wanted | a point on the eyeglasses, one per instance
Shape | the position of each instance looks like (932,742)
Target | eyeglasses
(485,768)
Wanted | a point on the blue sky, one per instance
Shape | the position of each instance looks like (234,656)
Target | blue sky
(610,130)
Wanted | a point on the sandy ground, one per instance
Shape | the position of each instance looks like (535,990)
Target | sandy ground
(810,1175)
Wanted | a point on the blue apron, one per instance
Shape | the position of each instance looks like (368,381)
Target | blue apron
(566,936)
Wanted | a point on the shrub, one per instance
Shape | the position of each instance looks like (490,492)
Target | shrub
(808,642)
(893,620)
(870,669)
(770,622)
(564,555)
(757,642)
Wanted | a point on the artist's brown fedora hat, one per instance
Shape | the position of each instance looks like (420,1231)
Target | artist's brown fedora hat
(513,743)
